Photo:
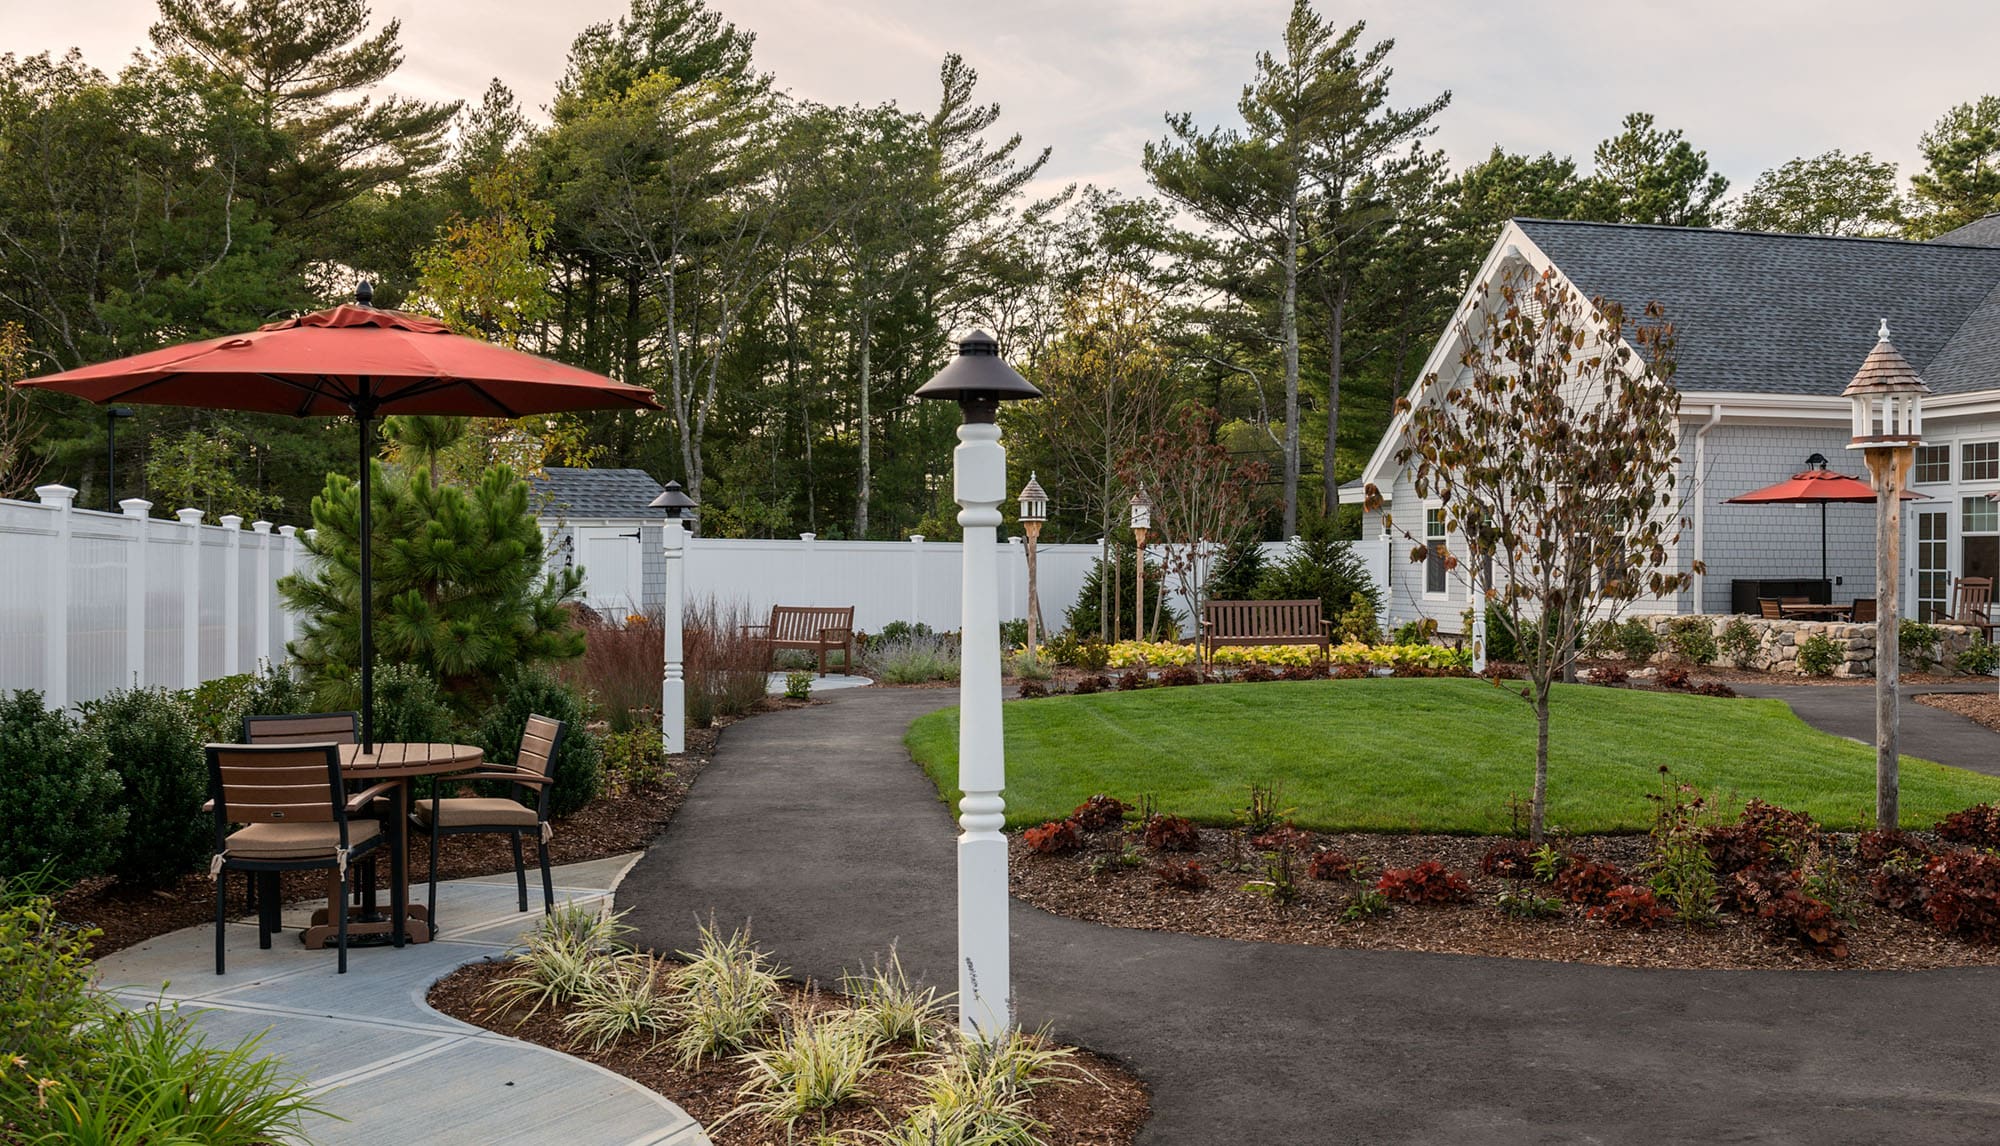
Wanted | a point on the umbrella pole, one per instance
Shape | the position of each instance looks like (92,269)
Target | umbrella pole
(1822,553)
(364,413)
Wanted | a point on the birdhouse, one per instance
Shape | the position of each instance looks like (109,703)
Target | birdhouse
(1034,501)
(1142,510)
(1888,399)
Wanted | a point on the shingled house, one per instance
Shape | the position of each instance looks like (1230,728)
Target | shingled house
(602,520)
(1770,329)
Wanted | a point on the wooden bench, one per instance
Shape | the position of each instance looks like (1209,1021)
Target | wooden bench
(808,627)
(1264,623)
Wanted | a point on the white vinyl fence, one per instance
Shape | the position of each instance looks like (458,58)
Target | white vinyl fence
(916,580)
(93,601)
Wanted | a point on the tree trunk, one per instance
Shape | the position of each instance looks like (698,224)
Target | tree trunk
(862,483)
(1538,810)
(1336,330)
(1288,330)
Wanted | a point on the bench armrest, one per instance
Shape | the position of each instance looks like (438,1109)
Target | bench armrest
(836,633)
(362,798)
(754,628)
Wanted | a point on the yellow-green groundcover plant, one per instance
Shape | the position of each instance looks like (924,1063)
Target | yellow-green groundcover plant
(1161,654)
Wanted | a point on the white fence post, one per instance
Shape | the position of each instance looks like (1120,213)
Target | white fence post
(916,577)
(191,600)
(55,623)
(808,575)
(136,508)
(290,627)
(265,592)
(232,597)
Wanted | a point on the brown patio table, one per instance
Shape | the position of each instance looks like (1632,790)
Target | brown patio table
(1824,612)
(401,762)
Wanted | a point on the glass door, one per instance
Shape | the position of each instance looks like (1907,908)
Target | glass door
(1933,564)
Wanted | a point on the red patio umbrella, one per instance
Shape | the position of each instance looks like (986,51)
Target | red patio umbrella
(1815,486)
(351,360)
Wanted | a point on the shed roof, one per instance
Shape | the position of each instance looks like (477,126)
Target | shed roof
(575,492)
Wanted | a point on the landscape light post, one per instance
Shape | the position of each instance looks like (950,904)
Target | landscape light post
(978,379)
(1888,410)
(1034,511)
(679,509)
(1142,523)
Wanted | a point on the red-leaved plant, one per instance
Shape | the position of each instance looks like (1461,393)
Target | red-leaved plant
(1978,826)
(1180,876)
(1331,864)
(1509,859)
(1100,812)
(1053,838)
(1172,834)
(1429,882)
(1632,906)
(1591,882)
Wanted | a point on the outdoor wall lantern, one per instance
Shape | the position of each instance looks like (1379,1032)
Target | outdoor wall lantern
(679,509)
(978,379)
(1888,408)
(1034,511)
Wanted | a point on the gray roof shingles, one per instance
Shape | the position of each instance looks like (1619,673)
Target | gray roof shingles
(561,491)
(1792,314)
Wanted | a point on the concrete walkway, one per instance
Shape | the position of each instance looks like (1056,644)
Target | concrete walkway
(1925,732)
(814,825)
(377,1056)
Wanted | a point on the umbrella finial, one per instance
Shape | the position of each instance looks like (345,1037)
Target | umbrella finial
(365,295)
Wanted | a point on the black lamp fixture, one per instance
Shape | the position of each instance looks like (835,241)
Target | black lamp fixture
(111,418)
(675,501)
(978,379)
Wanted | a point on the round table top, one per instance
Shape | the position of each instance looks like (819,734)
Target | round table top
(395,758)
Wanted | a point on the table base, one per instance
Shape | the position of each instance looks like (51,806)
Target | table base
(368,930)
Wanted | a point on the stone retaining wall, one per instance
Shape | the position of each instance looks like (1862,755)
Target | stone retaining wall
(1778,642)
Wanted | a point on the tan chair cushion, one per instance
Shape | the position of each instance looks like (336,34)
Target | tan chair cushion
(296,841)
(478,812)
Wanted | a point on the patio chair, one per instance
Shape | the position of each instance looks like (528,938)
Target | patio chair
(1769,607)
(1971,599)
(1863,612)
(500,815)
(295,815)
(301,728)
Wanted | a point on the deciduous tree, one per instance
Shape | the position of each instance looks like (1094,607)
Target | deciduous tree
(1829,194)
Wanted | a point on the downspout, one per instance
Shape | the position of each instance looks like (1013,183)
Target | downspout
(1701,503)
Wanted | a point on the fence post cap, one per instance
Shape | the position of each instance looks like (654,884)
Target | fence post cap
(189,516)
(56,494)
(807,537)
(916,539)
(232,521)
(135,506)
(287,530)
(260,527)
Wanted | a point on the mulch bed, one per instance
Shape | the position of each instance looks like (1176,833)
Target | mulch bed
(1131,897)
(1106,1110)
(1983,707)
(611,825)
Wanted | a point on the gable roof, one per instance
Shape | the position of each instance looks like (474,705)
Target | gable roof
(1791,314)
(563,491)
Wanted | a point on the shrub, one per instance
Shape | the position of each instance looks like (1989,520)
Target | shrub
(900,1011)
(1671,676)
(1358,622)
(914,659)
(1681,870)
(1029,668)
(1610,674)
(1792,914)
(1285,837)
(1367,903)
(150,739)
(1172,834)
(1918,641)
(1317,564)
(1100,812)
(1632,906)
(1693,639)
(1330,864)
(625,998)
(1519,904)
(1084,616)
(1979,658)
(1014,633)
(564,955)
(1340,672)
(1636,640)
(1429,882)
(1714,688)
(1739,642)
(894,632)
(1590,882)
(1978,826)
(1180,676)
(1315,671)
(723,996)
(1501,644)
(1032,690)
(1747,891)
(1818,655)
(61,808)
(1278,883)
(1133,680)
(1255,674)
(1237,571)
(1053,838)
(1510,859)
(633,759)
(1092,655)
(798,685)
(1417,632)
(1875,847)
(1181,876)
(219,706)
(1789,833)
(1736,847)
(621,667)
(47,1007)
(812,1063)
(409,706)
(1090,684)
(1900,886)
(1060,649)
(578,767)
(1964,895)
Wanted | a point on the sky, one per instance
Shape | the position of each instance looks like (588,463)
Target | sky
(1753,82)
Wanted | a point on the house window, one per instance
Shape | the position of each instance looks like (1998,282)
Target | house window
(1434,541)
(1934,464)
(1979,461)
(1979,515)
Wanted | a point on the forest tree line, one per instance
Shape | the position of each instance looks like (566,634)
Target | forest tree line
(784,274)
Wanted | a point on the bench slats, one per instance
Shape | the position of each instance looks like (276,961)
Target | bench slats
(1264,623)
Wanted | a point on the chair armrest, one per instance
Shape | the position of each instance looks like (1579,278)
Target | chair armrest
(208,805)
(362,798)
(521,777)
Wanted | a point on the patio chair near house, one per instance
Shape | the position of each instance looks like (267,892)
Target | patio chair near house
(301,728)
(1864,611)
(291,801)
(500,815)
(1972,605)
(1771,608)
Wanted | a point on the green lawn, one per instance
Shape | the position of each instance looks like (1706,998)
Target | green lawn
(1428,754)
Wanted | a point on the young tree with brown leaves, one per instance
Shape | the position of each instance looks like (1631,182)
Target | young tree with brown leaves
(1556,464)
(1201,498)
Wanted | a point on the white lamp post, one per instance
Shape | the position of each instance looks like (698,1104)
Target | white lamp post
(1888,400)
(673,681)
(1034,511)
(1142,523)
(978,379)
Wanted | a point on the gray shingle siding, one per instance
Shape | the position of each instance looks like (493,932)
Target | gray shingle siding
(1777,541)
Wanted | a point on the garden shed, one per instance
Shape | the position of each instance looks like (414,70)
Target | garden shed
(602,521)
